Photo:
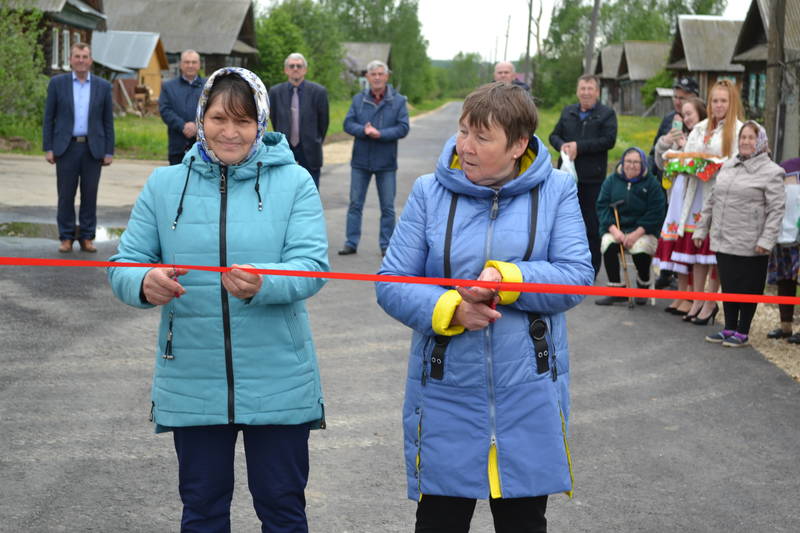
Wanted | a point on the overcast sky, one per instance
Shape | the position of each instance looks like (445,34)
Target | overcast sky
(453,26)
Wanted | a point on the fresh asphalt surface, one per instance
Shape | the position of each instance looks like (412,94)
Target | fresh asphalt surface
(668,433)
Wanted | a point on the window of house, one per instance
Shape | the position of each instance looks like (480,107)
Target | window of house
(762,93)
(752,90)
(76,37)
(65,52)
(54,57)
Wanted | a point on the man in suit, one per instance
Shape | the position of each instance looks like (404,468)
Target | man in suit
(586,131)
(299,109)
(177,105)
(78,137)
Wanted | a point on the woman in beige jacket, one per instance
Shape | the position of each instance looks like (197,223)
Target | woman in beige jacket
(743,214)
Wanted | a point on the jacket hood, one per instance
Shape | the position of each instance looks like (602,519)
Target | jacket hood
(262,107)
(456,181)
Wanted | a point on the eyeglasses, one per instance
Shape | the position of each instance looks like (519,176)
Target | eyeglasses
(295,66)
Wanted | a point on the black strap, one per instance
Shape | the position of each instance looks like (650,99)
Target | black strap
(534,215)
(441,341)
(448,236)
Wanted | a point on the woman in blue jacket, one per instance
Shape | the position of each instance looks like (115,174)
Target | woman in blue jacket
(234,351)
(487,402)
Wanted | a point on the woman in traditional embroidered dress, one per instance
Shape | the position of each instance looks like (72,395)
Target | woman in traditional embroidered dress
(693,111)
(715,138)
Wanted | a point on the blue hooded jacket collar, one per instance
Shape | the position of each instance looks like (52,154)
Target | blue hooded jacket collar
(456,181)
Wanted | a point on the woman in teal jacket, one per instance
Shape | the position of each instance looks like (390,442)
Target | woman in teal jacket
(234,351)
(487,403)
(641,206)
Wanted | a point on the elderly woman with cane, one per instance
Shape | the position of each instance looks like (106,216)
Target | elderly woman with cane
(630,208)
(743,215)
(234,351)
(486,403)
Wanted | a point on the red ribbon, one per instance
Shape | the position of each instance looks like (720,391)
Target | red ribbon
(542,288)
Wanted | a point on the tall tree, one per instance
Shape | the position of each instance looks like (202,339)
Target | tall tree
(411,67)
(588,52)
(23,90)
(323,41)
(277,37)
(362,20)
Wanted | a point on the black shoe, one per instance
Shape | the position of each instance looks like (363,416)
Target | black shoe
(610,300)
(697,321)
(778,334)
(794,339)
(347,250)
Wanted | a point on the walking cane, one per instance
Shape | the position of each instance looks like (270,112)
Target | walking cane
(615,205)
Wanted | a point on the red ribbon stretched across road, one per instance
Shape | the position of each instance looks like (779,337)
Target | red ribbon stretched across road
(545,288)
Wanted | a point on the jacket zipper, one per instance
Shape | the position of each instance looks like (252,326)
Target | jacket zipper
(223,262)
(488,343)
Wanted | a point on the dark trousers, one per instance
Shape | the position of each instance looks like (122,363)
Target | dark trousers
(277,473)
(743,275)
(300,157)
(587,197)
(77,168)
(611,260)
(447,514)
(787,287)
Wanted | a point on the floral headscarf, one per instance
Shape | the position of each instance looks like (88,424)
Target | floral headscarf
(762,143)
(262,106)
(642,169)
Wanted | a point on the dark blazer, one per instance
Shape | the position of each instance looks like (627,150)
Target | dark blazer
(313,116)
(59,117)
(177,105)
(389,116)
(595,136)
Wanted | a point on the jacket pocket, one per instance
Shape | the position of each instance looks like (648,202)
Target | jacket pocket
(293,325)
(175,402)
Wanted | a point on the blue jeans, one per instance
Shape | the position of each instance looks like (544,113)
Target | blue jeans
(359,182)
(277,472)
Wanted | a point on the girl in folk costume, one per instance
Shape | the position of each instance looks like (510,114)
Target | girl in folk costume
(693,111)
(712,142)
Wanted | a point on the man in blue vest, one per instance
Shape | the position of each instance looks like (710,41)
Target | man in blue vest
(178,106)
(78,138)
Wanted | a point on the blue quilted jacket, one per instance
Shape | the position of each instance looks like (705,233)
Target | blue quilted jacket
(492,425)
(235,361)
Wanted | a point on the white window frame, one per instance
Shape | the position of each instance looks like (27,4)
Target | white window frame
(76,37)
(54,36)
(66,51)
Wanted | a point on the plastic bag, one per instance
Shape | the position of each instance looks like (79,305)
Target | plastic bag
(568,165)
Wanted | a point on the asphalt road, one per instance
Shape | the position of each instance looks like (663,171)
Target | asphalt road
(668,433)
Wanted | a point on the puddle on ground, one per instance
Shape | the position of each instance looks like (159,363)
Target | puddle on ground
(50,231)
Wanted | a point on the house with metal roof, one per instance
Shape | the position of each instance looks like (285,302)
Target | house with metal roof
(65,22)
(750,51)
(358,55)
(135,61)
(607,69)
(703,48)
(640,61)
(223,33)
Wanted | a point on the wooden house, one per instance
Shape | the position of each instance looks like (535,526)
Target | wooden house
(607,69)
(750,51)
(640,61)
(223,33)
(66,22)
(135,60)
(703,48)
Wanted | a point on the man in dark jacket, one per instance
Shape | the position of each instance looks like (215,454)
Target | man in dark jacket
(299,109)
(378,118)
(78,137)
(178,106)
(586,132)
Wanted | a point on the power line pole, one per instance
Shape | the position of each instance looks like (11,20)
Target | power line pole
(505,50)
(588,52)
(775,66)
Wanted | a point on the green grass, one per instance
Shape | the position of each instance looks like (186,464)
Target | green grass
(146,138)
